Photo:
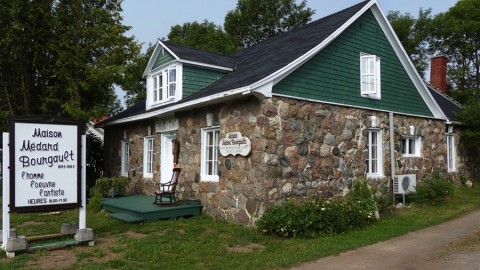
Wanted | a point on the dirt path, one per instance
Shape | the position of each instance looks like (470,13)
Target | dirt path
(451,245)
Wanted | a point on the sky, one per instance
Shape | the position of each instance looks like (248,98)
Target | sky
(152,19)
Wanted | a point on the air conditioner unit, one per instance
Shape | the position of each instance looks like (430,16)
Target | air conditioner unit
(404,184)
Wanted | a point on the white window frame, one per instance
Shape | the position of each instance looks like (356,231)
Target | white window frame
(375,156)
(157,88)
(370,71)
(209,157)
(408,150)
(125,158)
(171,83)
(164,85)
(148,156)
(451,151)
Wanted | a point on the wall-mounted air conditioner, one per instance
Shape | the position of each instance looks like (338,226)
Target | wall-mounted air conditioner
(404,184)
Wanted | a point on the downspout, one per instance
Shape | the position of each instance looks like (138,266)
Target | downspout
(392,155)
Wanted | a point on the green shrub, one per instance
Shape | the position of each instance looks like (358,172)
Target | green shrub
(106,187)
(362,195)
(313,217)
(95,202)
(433,191)
(385,204)
(110,186)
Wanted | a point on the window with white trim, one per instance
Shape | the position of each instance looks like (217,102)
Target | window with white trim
(164,86)
(451,151)
(157,88)
(171,82)
(374,144)
(411,146)
(370,76)
(209,154)
(125,158)
(148,157)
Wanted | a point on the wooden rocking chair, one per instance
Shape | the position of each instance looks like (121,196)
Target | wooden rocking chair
(167,189)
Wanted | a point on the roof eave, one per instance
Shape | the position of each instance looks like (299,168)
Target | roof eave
(407,63)
(285,71)
(153,57)
(196,103)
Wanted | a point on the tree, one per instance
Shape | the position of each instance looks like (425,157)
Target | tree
(412,33)
(24,36)
(469,116)
(94,159)
(133,83)
(253,21)
(455,34)
(204,36)
(61,58)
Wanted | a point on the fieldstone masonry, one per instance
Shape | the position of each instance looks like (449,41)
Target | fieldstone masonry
(299,149)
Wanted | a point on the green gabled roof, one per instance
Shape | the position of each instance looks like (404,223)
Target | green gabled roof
(163,58)
(333,75)
(166,52)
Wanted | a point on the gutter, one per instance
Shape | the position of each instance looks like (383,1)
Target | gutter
(392,153)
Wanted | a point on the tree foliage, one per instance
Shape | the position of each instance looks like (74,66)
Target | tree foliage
(455,33)
(133,83)
(249,23)
(94,159)
(253,21)
(204,36)
(412,33)
(61,58)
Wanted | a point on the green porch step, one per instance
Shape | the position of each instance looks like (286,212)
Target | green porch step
(126,217)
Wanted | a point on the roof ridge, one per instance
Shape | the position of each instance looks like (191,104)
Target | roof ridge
(166,42)
(299,28)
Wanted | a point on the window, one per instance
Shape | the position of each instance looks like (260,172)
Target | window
(148,157)
(375,168)
(172,82)
(157,88)
(210,152)
(451,152)
(411,146)
(125,158)
(370,76)
(164,86)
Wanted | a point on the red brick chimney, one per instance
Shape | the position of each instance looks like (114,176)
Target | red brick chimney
(438,72)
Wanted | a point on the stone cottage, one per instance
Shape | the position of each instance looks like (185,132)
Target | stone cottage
(301,114)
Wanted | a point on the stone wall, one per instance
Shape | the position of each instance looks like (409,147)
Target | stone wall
(299,149)
(135,134)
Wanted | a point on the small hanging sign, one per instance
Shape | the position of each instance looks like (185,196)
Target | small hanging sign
(235,144)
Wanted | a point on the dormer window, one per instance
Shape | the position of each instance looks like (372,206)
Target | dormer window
(163,86)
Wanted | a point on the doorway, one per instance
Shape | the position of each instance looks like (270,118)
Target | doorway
(166,161)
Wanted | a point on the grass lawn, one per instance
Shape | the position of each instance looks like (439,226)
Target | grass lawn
(204,243)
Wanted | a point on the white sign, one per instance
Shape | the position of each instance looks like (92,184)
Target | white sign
(235,144)
(46,161)
(168,124)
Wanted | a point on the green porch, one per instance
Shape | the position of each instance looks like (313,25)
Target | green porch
(139,208)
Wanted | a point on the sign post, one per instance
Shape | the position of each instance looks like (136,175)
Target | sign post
(6,193)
